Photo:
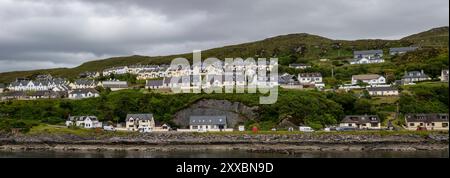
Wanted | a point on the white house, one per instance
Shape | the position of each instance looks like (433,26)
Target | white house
(367,57)
(382,91)
(140,122)
(87,122)
(208,123)
(372,79)
(361,122)
(37,85)
(310,78)
(83,93)
(431,121)
(414,76)
(83,83)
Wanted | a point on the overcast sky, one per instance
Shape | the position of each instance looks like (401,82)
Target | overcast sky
(38,34)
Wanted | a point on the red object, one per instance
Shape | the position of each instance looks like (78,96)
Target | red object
(255,129)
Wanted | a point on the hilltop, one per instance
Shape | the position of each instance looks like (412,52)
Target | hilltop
(289,48)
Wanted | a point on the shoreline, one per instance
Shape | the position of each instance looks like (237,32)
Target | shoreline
(258,148)
(262,143)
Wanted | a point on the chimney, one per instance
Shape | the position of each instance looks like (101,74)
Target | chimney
(421,71)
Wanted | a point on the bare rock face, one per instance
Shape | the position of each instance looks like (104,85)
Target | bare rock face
(235,112)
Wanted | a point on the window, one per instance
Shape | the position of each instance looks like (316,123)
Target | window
(194,127)
(349,125)
(444,124)
(411,124)
(374,125)
(432,124)
(421,124)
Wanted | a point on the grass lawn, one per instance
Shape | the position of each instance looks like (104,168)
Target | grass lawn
(385,100)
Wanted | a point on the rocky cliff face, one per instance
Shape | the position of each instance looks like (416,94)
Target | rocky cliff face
(235,112)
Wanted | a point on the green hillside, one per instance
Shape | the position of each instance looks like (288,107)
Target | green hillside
(288,48)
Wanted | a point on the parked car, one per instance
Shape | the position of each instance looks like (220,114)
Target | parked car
(345,128)
(305,129)
(109,128)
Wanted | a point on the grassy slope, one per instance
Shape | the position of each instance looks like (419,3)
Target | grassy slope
(314,47)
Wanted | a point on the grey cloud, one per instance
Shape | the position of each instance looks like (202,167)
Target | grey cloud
(65,33)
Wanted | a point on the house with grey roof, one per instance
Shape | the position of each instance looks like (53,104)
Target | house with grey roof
(414,76)
(371,79)
(310,77)
(143,122)
(37,85)
(115,85)
(361,121)
(83,83)
(44,95)
(401,50)
(367,57)
(429,121)
(382,91)
(14,95)
(87,122)
(83,93)
(154,84)
(207,123)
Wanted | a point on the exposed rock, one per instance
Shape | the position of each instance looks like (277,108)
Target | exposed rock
(236,112)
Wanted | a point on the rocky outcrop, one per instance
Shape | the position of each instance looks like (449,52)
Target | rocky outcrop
(235,112)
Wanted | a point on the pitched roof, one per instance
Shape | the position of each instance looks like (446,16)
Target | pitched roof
(315,74)
(84,82)
(207,120)
(366,77)
(402,49)
(154,83)
(83,91)
(415,74)
(82,118)
(368,52)
(148,116)
(427,118)
(115,84)
(361,119)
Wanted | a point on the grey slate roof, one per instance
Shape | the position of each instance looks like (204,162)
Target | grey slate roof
(402,49)
(368,52)
(427,118)
(415,74)
(361,119)
(82,118)
(84,91)
(84,82)
(207,120)
(316,74)
(155,83)
(148,116)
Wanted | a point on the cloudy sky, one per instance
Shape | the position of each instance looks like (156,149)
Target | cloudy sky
(38,34)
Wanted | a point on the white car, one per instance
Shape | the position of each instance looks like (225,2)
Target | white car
(109,128)
(305,129)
